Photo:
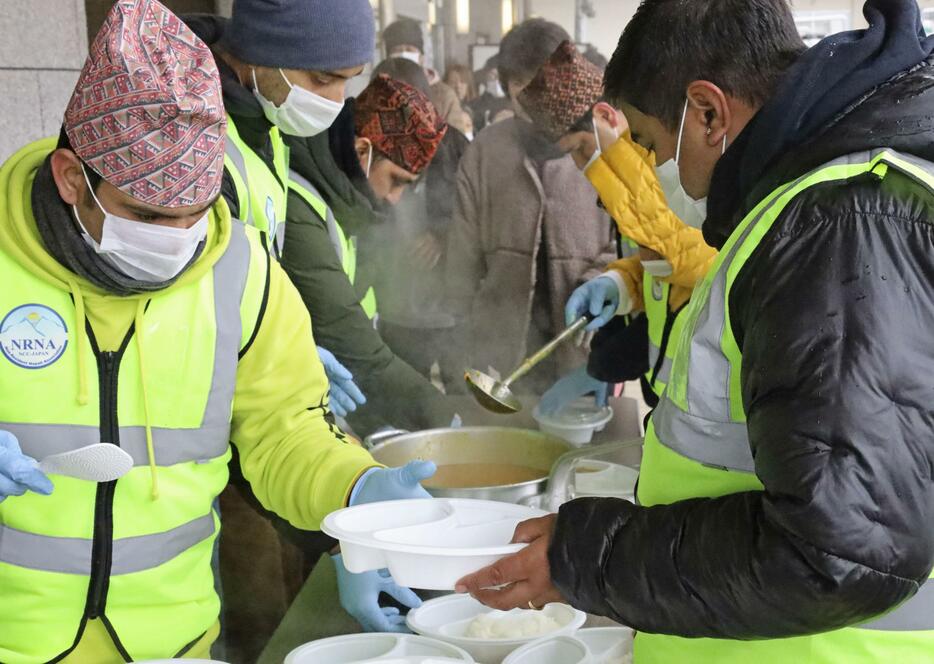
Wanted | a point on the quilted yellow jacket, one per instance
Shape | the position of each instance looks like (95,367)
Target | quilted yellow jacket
(624,177)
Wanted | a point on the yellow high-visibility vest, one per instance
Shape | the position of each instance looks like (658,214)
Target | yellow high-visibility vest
(111,550)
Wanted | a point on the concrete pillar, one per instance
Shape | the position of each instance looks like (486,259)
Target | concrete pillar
(42,51)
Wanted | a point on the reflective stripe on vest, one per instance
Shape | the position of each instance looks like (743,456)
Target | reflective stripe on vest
(310,195)
(71,555)
(344,247)
(700,416)
(917,614)
(665,327)
(262,192)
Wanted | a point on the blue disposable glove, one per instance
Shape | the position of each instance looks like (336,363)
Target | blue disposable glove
(570,388)
(400,483)
(18,472)
(345,395)
(359,595)
(599,297)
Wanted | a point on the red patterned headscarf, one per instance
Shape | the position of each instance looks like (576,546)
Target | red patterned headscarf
(563,90)
(400,121)
(147,113)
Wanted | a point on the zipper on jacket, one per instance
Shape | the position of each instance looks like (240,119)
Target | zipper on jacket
(108,365)
(108,369)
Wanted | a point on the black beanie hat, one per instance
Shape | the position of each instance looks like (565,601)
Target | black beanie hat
(406,32)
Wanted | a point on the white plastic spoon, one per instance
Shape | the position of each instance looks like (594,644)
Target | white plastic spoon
(100,462)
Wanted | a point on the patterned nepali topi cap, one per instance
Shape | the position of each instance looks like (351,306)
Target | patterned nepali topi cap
(563,90)
(147,113)
(400,121)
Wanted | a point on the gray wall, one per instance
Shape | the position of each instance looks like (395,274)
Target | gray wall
(42,49)
(96,10)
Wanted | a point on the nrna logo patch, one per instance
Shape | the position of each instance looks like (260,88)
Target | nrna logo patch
(33,336)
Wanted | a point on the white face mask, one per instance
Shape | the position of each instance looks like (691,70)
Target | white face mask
(469,135)
(413,56)
(146,252)
(598,151)
(692,212)
(303,113)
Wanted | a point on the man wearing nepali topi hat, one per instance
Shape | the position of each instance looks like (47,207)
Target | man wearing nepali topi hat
(136,313)
(398,132)
(526,226)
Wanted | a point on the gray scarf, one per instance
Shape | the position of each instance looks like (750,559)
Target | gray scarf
(62,238)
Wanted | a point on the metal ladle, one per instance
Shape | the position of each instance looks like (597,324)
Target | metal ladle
(496,396)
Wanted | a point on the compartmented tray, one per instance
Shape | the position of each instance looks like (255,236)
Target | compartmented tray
(428,544)
(595,645)
(448,619)
(382,648)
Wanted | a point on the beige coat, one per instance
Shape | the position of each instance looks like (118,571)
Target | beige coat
(444,99)
(502,208)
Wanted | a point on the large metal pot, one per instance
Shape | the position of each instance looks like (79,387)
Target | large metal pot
(475,445)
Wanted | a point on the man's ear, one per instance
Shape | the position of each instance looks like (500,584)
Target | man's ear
(362,147)
(68,176)
(605,113)
(708,105)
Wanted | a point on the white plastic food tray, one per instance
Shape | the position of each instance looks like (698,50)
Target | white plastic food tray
(381,648)
(596,645)
(448,618)
(428,544)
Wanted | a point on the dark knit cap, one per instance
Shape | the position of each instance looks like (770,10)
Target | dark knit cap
(321,35)
(404,32)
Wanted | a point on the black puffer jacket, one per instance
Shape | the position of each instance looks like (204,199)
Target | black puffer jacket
(833,313)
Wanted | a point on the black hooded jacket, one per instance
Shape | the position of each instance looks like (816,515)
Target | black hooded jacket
(833,314)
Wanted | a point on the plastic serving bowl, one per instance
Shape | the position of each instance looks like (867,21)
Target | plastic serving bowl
(596,645)
(381,648)
(576,423)
(428,544)
(448,618)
